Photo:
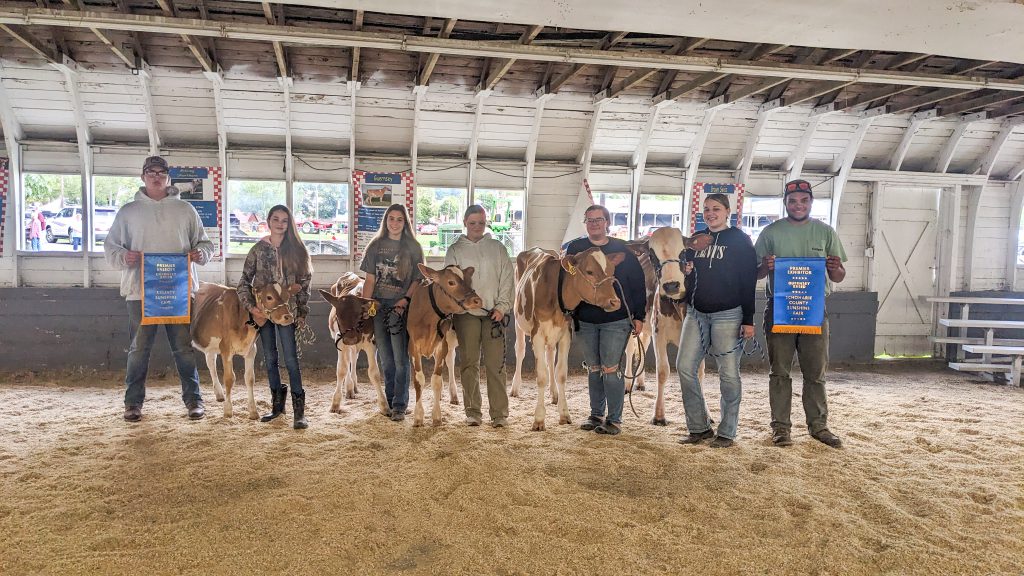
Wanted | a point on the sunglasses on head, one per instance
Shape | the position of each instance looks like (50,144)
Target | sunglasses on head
(798,186)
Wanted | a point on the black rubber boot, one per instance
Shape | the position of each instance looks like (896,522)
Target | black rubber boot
(277,400)
(299,411)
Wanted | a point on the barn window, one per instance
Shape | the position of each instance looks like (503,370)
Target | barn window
(618,207)
(659,211)
(821,209)
(322,215)
(438,219)
(760,212)
(59,198)
(110,193)
(505,212)
(248,204)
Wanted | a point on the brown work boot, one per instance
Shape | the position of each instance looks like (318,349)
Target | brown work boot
(827,438)
(698,437)
(133,413)
(781,437)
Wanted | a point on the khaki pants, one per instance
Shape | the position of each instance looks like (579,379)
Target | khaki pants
(812,351)
(474,333)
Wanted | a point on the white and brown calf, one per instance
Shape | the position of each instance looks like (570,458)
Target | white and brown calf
(350,323)
(220,328)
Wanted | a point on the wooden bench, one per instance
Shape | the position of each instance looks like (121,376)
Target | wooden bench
(965,303)
(1014,353)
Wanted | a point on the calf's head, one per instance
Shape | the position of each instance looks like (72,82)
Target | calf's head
(591,275)
(668,247)
(456,285)
(353,314)
(272,301)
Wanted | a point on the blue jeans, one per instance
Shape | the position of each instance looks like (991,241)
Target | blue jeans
(34,244)
(141,338)
(719,331)
(269,333)
(603,346)
(392,358)
(76,243)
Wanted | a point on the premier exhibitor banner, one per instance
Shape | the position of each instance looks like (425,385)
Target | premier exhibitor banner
(165,286)
(799,295)
(373,192)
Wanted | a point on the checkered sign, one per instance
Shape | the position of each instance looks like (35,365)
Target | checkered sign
(372,193)
(4,177)
(700,192)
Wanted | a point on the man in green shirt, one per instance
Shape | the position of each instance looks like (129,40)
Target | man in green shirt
(799,236)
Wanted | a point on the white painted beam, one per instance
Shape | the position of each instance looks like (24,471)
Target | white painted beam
(1017,171)
(846,164)
(474,142)
(795,163)
(745,161)
(973,209)
(419,93)
(313,36)
(13,136)
(916,121)
(984,166)
(588,145)
(289,160)
(949,148)
(353,90)
(1012,233)
(84,139)
(639,157)
(147,103)
(217,82)
(531,151)
(692,161)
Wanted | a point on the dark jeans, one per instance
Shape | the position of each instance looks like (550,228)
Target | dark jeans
(141,345)
(603,346)
(812,351)
(393,359)
(270,333)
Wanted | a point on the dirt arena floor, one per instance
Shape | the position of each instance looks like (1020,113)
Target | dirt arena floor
(931,481)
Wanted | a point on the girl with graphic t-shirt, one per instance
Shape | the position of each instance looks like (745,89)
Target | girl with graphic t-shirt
(390,266)
(720,292)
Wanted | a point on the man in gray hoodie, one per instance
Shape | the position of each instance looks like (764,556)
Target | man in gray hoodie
(156,221)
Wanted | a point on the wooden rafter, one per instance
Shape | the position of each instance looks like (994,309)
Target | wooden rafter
(930,97)
(205,60)
(502,67)
(431,61)
(755,52)
(751,53)
(357,25)
(988,161)
(49,53)
(140,54)
(279,51)
(1015,110)
(900,60)
(680,47)
(103,36)
(609,40)
(980,102)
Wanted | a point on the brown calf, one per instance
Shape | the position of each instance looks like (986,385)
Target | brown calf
(448,291)
(351,325)
(219,327)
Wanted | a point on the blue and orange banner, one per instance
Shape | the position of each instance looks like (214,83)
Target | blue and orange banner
(166,279)
(798,301)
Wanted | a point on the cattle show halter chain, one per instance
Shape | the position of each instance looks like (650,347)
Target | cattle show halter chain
(370,313)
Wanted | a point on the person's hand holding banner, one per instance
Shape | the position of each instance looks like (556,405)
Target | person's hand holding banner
(798,299)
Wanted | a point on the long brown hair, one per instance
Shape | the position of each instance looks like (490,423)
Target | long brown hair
(294,256)
(410,252)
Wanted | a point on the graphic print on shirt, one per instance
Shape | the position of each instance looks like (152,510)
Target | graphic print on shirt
(713,252)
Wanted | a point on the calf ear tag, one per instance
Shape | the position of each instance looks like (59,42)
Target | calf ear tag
(372,311)
(572,269)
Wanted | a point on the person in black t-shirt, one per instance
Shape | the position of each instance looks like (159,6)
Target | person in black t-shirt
(720,286)
(605,334)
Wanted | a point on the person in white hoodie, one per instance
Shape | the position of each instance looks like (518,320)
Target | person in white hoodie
(156,221)
(493,281)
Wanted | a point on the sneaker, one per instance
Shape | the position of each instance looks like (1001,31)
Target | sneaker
(498,423)
(721,442)
(472,420)
(196,412)
(397,415)
(697,438)
(592,423)
(133,413)
(827,438)
(609,428)
(781,437)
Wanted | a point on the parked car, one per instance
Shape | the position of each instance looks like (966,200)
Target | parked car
(427,228)
(57,226)
(314,225)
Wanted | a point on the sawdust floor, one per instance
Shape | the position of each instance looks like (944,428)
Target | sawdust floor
(931,482)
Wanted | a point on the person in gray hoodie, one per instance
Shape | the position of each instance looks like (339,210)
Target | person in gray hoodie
(156,221)
(493,280)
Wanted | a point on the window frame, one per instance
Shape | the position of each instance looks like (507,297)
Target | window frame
(22,243)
